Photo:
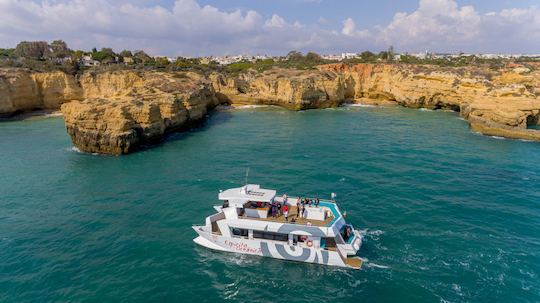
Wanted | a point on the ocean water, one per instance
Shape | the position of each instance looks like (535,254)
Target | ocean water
(448,215)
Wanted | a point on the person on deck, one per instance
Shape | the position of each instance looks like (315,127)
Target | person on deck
(303,211)
(286,212)
(317,202)
(298,208)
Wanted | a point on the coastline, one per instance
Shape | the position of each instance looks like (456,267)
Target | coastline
(117,112)
(28,115)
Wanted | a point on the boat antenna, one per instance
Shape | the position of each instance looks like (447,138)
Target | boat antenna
(247,174)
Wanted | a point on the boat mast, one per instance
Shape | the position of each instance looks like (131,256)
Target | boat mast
(247,174)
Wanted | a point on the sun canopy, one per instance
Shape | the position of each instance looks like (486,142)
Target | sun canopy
(250,192)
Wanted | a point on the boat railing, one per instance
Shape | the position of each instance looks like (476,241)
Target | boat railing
(294,199)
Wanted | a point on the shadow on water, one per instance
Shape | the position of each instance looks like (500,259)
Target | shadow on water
(212,119)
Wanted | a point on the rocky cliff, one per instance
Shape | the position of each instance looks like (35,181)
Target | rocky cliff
(292,89)
(502,102)
(117,112)
(22,90)
(124,110)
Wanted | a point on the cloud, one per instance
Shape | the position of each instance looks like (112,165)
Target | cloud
(188,28)
(443,25)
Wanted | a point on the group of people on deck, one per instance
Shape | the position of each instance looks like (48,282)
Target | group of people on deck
(301,206)
(277,209)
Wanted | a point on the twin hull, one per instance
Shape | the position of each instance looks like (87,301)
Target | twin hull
(268,248)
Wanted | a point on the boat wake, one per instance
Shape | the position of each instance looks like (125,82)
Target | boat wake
(368,264)
(367,232)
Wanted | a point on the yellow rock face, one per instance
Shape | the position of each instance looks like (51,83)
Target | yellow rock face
(22,90)
(292,89)
(124,110)
(501,99)
(117,112)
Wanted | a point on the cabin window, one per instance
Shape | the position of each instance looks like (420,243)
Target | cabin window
(239,232)
(257,234)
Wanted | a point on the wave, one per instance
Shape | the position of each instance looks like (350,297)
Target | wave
(425,109)
(75,149)
(498,138)
(251,106)
(359,105)
(54,114)
(367,232)
(375,265)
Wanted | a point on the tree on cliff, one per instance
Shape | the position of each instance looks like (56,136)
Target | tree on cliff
(105,55)
(32,49)
(60,49)
(294,56)
(141,57)
(126,53)
(162,62)
(368,56)
(313,57)
(7,53)
(391,53)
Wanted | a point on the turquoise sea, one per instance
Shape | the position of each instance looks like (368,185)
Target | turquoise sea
(448,215)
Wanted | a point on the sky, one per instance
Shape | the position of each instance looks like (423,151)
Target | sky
(274,27)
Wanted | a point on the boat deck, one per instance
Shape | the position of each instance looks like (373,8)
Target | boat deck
(354,262)
(293,214)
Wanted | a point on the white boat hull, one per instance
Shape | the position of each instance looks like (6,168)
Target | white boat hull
(268,248)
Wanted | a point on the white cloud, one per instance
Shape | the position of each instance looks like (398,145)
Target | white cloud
(188,28)
(444,26)
(349,27)
(275,21)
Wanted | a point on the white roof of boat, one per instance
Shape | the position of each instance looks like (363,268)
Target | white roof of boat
(249,192)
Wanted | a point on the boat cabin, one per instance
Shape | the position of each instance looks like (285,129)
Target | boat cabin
(256,213)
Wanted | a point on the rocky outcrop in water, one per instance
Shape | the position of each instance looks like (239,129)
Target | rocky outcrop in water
(125,110)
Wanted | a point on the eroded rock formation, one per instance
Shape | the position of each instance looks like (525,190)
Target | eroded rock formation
(117,112)
(124,110)
(292,89)
(500,103)
(22,90)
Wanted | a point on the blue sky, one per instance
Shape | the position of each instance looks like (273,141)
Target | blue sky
(216,27)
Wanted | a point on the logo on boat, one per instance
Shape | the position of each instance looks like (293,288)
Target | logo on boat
(242,247)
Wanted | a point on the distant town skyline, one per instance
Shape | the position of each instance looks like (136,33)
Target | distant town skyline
(219,27)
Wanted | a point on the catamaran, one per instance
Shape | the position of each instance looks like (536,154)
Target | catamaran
(257,221)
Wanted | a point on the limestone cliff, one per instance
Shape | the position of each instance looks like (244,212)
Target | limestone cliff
(293,89)
(499,102)
(117,112)
(22,90)
(124,110)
